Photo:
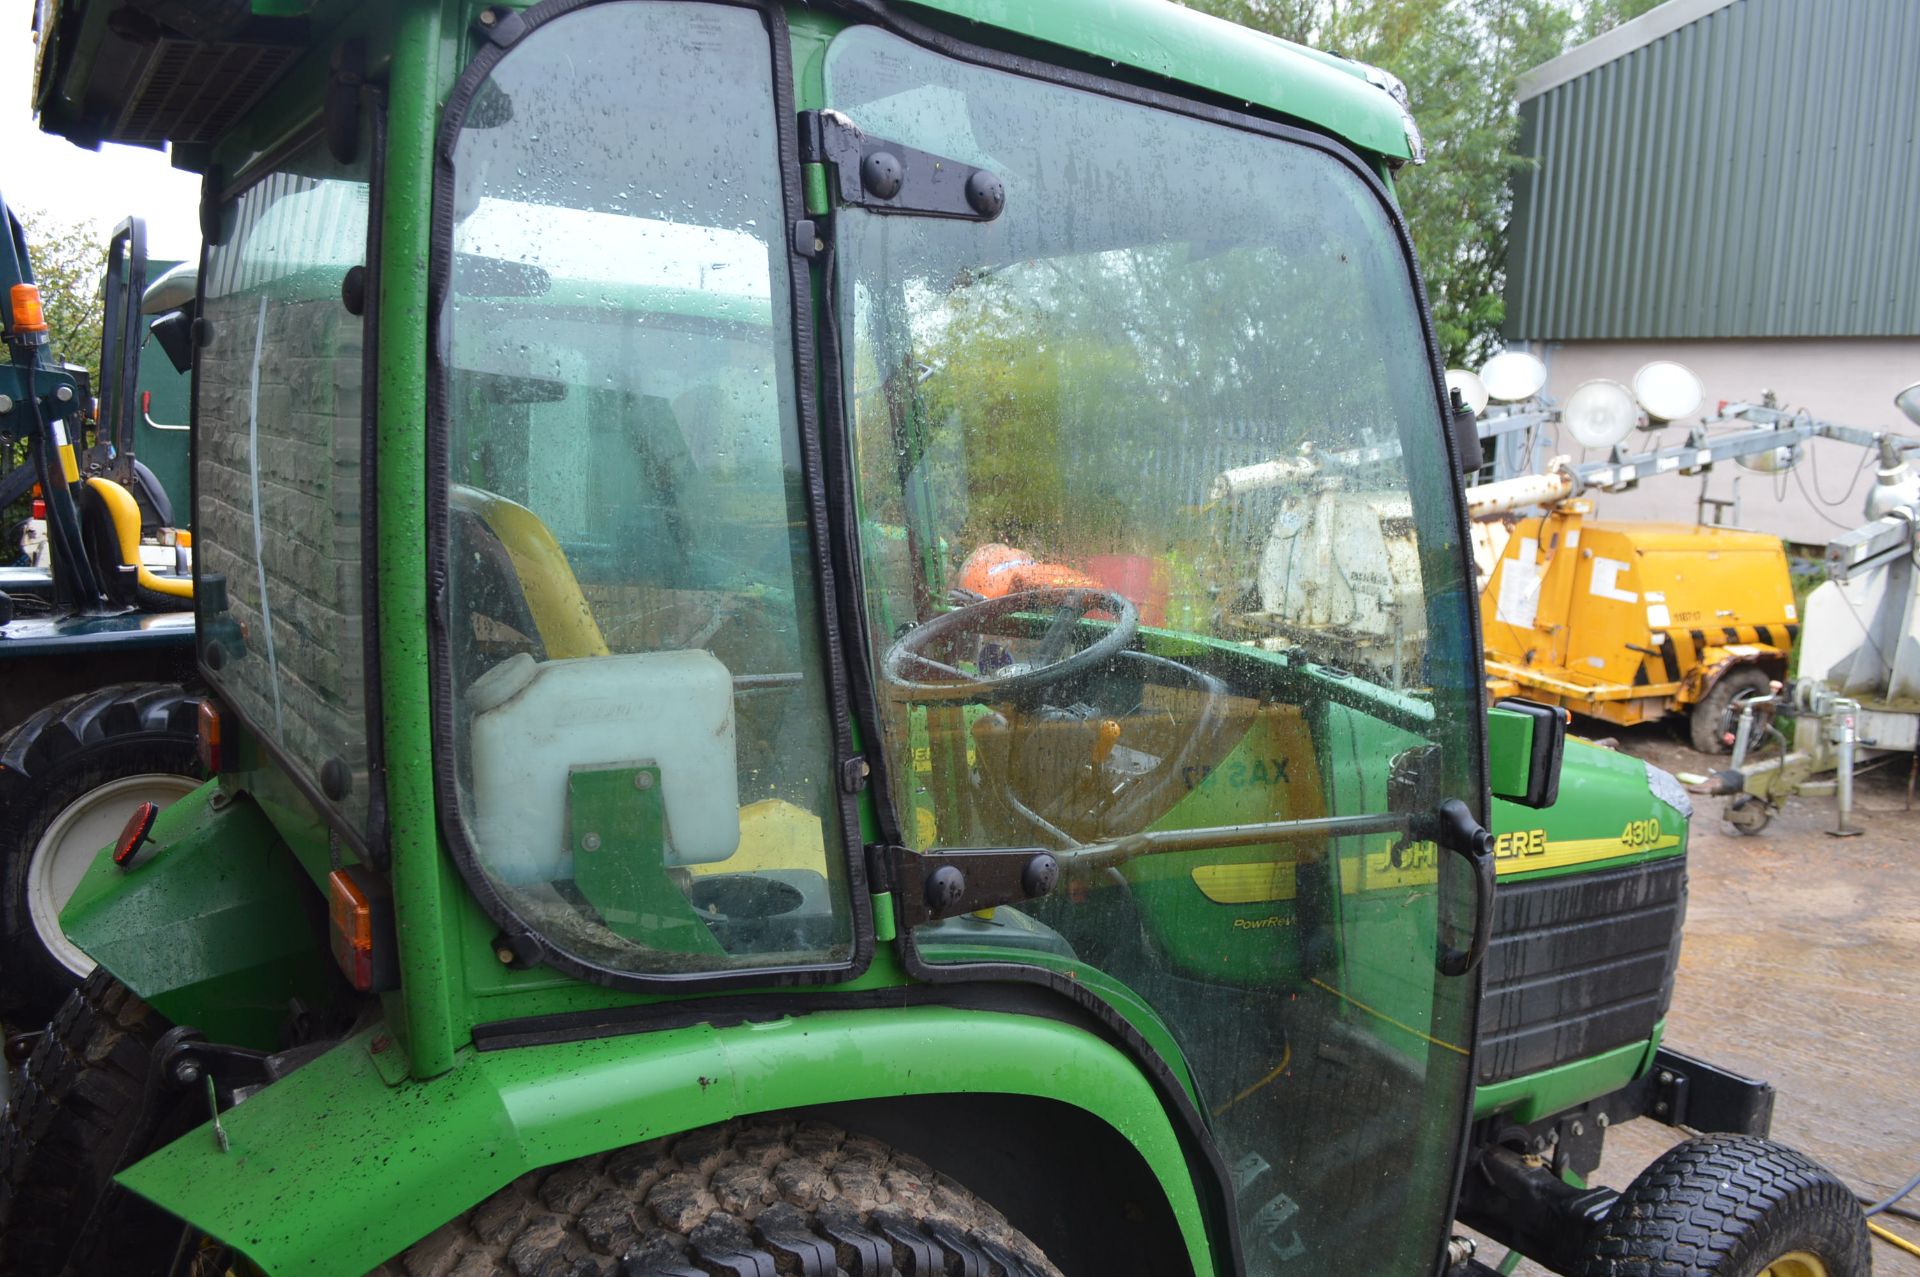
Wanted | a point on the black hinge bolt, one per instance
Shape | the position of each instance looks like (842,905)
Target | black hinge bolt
(881,173)
(986,194)
(944,888)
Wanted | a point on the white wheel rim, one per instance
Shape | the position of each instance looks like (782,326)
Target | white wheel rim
(68,847)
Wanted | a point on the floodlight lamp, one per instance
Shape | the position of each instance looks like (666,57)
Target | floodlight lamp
(1513,375)
(1773,460)
(1472,393)
(1668,391)
(1599,414)
(1908,402)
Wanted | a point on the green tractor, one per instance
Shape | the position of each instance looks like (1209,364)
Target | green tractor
(96,629)
(797,686)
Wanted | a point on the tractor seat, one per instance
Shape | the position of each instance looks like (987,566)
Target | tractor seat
(523,595)
(156,508)
(110,522)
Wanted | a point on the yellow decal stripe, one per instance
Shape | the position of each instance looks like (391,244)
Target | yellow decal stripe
(1245,884)
(1580,851)
(1521,851)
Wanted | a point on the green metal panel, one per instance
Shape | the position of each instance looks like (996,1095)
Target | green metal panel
(424,880)
(211,923)
(1197,49)
(1754,173)
(1528,1099)
(321,1180)
(1605,816)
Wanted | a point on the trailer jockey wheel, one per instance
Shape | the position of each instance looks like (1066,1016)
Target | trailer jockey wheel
(1748,813)
(1731,1206)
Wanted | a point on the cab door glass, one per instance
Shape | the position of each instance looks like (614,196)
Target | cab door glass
(1161,564)
(643,752)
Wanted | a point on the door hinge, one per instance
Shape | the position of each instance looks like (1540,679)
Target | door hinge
(931,885)
(884,176)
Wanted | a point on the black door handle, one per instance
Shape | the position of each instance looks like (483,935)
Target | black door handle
(1458,831)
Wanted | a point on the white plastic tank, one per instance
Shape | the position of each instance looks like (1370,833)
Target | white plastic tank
(535,722)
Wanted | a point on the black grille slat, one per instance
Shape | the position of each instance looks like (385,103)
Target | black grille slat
(1580,964)
(194,92)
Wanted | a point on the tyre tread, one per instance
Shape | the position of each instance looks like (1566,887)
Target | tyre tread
(1721,1206)
(82,1087)
(759,1197)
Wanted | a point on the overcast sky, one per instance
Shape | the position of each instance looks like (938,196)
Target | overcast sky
(40,171)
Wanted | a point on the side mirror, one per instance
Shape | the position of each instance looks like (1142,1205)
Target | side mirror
(1465,425)
(174,332)
(1525,743)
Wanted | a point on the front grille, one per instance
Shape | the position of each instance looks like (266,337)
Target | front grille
(1579,964)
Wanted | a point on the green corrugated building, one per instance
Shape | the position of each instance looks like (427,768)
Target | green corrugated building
(1735,184)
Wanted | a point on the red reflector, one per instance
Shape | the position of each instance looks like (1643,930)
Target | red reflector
(39,508)
(138,826)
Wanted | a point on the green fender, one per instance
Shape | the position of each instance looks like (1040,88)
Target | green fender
(347,1161)
(214,923)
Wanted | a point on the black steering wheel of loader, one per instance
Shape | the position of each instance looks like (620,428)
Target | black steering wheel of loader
(1050,664)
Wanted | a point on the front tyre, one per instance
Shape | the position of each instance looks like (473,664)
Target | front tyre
(73,773)
(1732,1206)
(750,1197)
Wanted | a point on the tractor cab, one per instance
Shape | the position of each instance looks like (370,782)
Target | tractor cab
(780,571)
(1110,738)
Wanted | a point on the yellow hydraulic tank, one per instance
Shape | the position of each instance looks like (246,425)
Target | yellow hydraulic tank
(1629,622)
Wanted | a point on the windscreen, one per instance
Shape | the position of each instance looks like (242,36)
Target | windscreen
(1161,566)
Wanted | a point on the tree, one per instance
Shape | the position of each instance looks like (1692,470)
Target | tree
(69,265)
(1602,16)
(1460,60)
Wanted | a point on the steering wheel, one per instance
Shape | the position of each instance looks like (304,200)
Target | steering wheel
(1049,663)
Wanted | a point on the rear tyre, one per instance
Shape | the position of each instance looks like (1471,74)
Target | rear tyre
(67,1128)
(753,1197)
(1718,712)
(1732,1206)
(72,774)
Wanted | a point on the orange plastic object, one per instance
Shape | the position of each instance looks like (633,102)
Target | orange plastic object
(352,915)
(986,570)
(28,317)
(995,570)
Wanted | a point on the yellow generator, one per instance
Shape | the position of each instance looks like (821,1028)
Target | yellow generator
(1630,622)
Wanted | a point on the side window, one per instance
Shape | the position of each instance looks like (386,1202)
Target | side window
(639,707)
(278,432)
